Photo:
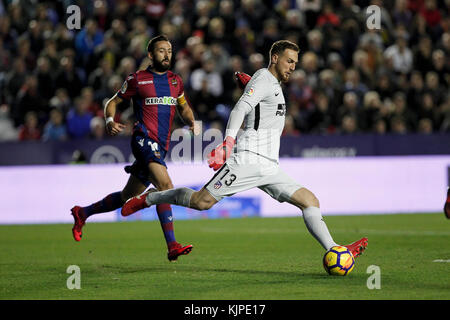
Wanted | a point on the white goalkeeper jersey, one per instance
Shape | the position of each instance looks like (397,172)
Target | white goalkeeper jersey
(264,123)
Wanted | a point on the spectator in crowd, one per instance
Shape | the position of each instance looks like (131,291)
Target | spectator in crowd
(328,16)
(289,127)
(300,92)
(68,77)
(61,100)
(216,31)
(55,129)
(221,58)
(15,79)
(422,55)
(19,17)
(401,14)
(226,12)
(425,126)
(8,132)
(79,119)
(337,66)
(371,37)
(428,110)
(372,110)
(29,98)
(231,92)
(316,45)
(398,125)
(321,119)
(30,129)
(24,52)
(311,10)
(385,85)
(329,85)
(362,66)
(310,65)
(86,41)
(349,124)
(44,77)
(444,45)
(255,62)
(97,126)
(433,86)
(350,106)
(98,79)
(87,95)
(400,54)
(270,34)
(415,91)
(353,84)
(441,67)
(431,14)
(207,83)
(380,126)
(401,110)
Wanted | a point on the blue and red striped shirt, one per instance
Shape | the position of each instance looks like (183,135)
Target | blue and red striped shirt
(154,101)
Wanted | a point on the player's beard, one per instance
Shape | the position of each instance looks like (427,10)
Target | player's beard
(161,66)
(283,75)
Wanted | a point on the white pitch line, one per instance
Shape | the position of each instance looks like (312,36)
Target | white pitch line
(442,260)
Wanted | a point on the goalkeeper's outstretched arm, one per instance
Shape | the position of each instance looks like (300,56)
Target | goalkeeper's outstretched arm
(237,115)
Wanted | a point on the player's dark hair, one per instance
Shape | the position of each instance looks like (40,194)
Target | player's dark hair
(152,43)
(281,45)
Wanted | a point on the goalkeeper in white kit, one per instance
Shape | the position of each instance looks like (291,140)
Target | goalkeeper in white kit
(254,163)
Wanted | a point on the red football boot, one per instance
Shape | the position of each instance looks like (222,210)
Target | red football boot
(447,205)
(80,220)
(242,79)
(178,250)
(357,247)
(136,203)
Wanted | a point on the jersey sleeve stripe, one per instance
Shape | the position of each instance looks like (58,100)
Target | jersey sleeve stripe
(257,116)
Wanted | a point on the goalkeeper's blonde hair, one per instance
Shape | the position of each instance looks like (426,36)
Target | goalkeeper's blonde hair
(281,45)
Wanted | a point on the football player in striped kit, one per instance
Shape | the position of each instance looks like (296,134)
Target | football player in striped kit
(157,93)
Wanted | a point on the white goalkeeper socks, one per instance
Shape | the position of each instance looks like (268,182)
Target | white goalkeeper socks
(317,227)
(180,197)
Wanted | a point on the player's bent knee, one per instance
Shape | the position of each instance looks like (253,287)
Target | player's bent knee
(201,202)
(206,205)
(314,202)
(201,205)
(303,198)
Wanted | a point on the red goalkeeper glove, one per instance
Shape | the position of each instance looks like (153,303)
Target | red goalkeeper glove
(220,154)
(242,79)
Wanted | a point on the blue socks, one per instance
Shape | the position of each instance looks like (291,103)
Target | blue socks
(111,202)
(166,219)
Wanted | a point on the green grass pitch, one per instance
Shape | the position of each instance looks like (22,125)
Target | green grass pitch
(233,259)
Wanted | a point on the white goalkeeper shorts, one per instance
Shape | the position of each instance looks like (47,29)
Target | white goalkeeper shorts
(246,170)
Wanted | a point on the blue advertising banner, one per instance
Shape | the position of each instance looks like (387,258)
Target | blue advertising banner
(117,150)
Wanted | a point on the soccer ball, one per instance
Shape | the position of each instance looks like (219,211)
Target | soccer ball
(338,261)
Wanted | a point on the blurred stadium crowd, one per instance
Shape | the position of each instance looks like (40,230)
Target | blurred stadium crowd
(54,81)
